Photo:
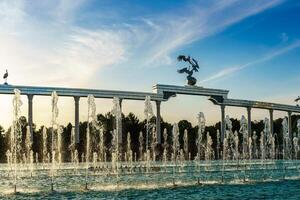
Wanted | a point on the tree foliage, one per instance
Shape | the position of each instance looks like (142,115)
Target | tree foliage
(130,124)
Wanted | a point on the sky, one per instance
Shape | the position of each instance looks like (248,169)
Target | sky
(249,47)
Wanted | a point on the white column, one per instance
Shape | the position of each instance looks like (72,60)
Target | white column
(120,134)
(30,113)
(249,121)
(158,120)
(271,122)
(77,135)
(222,122)
(290,125)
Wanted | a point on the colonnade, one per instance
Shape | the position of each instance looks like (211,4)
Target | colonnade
(158,118)
(76,119)
(289,115)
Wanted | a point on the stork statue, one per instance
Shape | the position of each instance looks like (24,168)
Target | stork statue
(5,77)
(193,67)
(297,100)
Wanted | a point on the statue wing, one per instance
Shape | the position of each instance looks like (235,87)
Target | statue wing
(181,57)
(195,63)
(183,70)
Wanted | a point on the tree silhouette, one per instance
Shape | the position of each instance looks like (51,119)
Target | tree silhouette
(133,125)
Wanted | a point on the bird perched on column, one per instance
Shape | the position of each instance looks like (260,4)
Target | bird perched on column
(5,77)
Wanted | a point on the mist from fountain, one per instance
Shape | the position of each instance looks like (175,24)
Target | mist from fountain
(286,138)
(148,112)
(244,131)
(250,147)
(54,127)
(45,145)
(28,143)
(72,146)
(117,113)
(153,144)
(165,148)
(175,147)
(218,144)
(208,151)
(129,152)
(16,135)
(255,153)
(101,146)
(59,144)
(236,141)
(186,144)
(9,159)
(91,125)
(141,146)
(201,128)
(254,140)
(229,151)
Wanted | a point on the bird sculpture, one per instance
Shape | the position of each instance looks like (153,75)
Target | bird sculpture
(5,77)
(193,67)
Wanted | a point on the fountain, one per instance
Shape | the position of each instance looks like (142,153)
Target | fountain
(201,128)
(59,144)
(244,131)
(116,111)
(98,162)
(16,135)
(175,146)
(141,145)
(129,152)
(153,144)
(91,123)
(186,144)
(286,139)
(45,145)
(148,112)
(218,144)
(101,153)
(254,140)
(54,126)
(208,150)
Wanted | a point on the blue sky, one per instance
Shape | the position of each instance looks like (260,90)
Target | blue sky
(251,48)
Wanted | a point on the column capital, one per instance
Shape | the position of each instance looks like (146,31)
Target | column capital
(158,102)
(223,106)
(271,110)
(249,108)
(30,96)
(289,113)
(76,98)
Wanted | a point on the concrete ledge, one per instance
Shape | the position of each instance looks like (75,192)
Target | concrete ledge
(160,93)
(260,105)
(190,90)
(71,92)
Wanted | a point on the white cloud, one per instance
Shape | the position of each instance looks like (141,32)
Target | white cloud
(41,43)
(169,33)
(273,54)
(43,38)
(53,47)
